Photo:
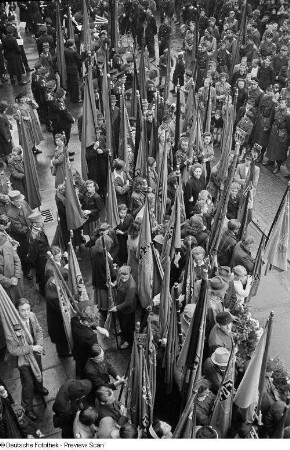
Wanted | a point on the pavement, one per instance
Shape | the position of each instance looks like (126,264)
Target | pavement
(273,292)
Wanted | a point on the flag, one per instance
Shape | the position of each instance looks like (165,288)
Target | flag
(75,279)
(165,299)
(171,349)
(32,189)
(207,116)
(74,214)
(113,14)
(106,109)
(125,132)
(161,188)
(222,411)
(185,428)
(145,256)
(257,268)
(90,123)
(248,391)
(172,238)
(135,88)
(191,354)
(154,143)
(65,306)
(139,399)
(177,121)
(151,359)
(112,215)
(141,168)
(276,251)
(244,213)
(10,317)
(142,78)
(61,65)
(188,278)
(86,28)
(168,71)
(158,272)
(70,28)
(190,108)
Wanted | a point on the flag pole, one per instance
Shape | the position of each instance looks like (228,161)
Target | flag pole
(264,362)
(177,120)
(179,331)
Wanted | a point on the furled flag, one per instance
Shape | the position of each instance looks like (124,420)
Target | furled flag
(257,271)
(106,109)
(90,122)
(32,190)
(190,108)
(165,299)
(171,349)
(70,28)
(86,28)
(75,279)
(141,72)
(222,412)
(112,215)
(247,394)
(172,239)
(276,251)
(61,65)
(145,256)
(65,307)
(161,188)
(74,214)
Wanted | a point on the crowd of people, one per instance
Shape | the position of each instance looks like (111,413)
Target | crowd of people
(204,115)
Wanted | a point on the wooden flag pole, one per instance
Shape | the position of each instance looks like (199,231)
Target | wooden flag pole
(278,212)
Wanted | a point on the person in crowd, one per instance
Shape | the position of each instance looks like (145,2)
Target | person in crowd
(221,333)
(242,254)
(84,426)
(16,168)
(214,367)
(27,346)
(10,269)
(5,131)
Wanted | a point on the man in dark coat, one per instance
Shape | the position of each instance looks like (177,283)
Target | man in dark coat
(164,33)
(5,133)
(242,254)
(18,212)
(64,118)
(150,32)
(44,37)
(55,325)
(115,119)
(228,242)
(266,75)
(73,67)
(38,246)
(264,120)
(12,53)
(69,399)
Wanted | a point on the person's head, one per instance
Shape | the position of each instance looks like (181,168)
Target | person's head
(234,225)
(254,83)
(160,429)
(119,164)
(105,395)
(128,431)
(123,209)
(104,229)
(220,358)
(88,416)
(16,198)
(267,62)
(59,140)
(248,159)
(78,389)
(16,151)
(36,220)
(240,272)
(138,184)
(198,254)
(56,253)
(241,83)
(23,307)
(134,229)
(207,138)
(124,273)
(224,320)
(218,286)
(207,432)
(91,186)
(248,241)
(151,163)
(196,171)
(235,187)
(184,144)
(97,353)
(203,388)
(3,106)
(60,94)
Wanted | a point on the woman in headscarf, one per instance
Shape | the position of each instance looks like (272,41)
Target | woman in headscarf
(26,108)
(195,184)
(132,243)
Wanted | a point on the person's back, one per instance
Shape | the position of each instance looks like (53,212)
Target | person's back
(107,426)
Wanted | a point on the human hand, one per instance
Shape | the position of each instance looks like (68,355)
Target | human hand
(103,331)
(113,309)
(37,348)
(14,281)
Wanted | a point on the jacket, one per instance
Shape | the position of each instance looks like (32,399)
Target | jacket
(126,299)
(218,338)
(242,257)
(19,220)
(99,373)
(10,265)
(226,248)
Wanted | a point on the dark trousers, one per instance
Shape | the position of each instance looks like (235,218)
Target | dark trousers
(208,170)
(149,40)
(73,85)
(29,384)
(127,325)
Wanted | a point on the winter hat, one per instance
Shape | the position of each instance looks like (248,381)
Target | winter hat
(79,388)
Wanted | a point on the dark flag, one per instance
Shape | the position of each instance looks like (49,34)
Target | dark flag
(89,124)
(222,412)
(142,77)
(32,190)
(172,238)
(74,215)
(106,109)
(141,168)
(190,108)
(139,390)
(61,65)
(168,71)
(244,213)
(177,120)
(86,28)
(241,40)
(188,279)
(165,299)
(112,215)
(161,188)
(257,271)
(113,22)
(75,279)
(185,429)
(111,302)
(191,354)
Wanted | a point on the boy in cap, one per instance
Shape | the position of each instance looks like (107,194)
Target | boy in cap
(221,334)
(179,71)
